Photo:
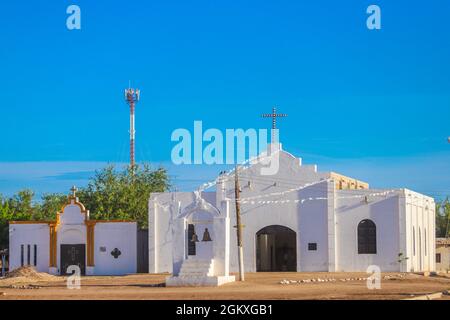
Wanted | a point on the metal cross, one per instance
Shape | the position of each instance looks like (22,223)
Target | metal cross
(274,117)
(74,190)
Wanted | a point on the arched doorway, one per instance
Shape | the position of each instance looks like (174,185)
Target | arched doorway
(276,249)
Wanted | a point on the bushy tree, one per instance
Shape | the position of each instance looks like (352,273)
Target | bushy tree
(443,219)
(110,194)
(50,204)
(18,207)
(113,194)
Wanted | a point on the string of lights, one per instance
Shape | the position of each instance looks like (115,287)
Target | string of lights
(228,176)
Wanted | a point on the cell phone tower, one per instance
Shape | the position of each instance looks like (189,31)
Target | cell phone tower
(132,97)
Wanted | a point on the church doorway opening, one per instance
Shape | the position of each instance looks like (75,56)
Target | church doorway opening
(276,249)
(73,254)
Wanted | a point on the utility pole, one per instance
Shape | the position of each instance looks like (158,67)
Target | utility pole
(239,225)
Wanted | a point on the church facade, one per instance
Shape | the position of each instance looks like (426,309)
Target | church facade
(299,220)
(73,239)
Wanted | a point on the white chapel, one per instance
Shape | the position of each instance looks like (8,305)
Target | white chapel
(97,247)
(299,219)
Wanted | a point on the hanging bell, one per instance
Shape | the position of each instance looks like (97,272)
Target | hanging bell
(206,235)
(194,238)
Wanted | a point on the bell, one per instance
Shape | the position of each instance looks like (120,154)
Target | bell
(194,238)
(206,235)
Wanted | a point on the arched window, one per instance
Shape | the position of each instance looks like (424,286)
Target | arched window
(414,241)
(367,237)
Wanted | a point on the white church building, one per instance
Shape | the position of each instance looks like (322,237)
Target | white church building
(97,247)
(299,219)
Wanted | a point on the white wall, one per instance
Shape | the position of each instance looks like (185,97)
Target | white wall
(29,234)
(384,212)
(111,235)
(444,265)
(313,228)
(161,208)
(420,231)
(72,214)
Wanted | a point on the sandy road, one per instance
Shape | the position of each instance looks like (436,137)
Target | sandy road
(256,286)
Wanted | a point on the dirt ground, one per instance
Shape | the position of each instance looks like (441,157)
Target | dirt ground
(256,286)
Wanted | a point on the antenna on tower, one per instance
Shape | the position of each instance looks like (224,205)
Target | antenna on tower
(131,97)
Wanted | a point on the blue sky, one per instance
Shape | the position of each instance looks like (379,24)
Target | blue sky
(370,104)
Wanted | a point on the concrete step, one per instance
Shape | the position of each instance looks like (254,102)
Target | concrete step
(196,268)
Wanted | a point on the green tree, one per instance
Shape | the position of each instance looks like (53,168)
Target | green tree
(51,203)
(110,194)
(113,194)
(6,214)
(443,218)
(22,205)
(18,207)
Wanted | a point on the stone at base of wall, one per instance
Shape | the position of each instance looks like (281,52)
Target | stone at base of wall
(198,281)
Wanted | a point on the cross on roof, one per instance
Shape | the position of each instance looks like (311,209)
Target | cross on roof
(74,190)
(274,116)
